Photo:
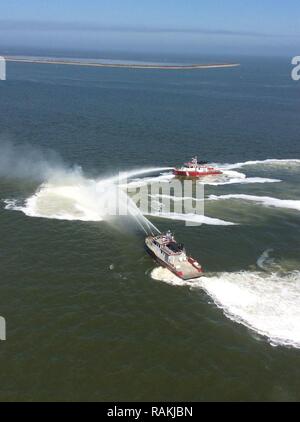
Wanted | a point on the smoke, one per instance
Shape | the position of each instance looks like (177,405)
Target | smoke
(27,162)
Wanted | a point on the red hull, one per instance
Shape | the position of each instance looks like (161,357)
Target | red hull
(193,173)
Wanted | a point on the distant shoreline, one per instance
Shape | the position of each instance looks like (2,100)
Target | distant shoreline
(121,65)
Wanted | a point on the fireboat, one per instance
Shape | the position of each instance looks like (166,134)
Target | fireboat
(196,169)
(172,255)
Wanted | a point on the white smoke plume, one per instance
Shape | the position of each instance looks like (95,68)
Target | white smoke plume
(28,162)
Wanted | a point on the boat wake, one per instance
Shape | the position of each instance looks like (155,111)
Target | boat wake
(229,174)
(267,303)
(264,200)
(229,177)
(192,218)
(269,162)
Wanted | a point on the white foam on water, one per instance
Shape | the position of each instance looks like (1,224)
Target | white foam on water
(246,181)
(230,177)
(74,197)
(175,198)
(12,204)
(165,275)
(264,200)
(266,262)
(266,303)
(272,161)
(162,178)
(63,202)
(192,218)
(227,177)
(264,259)
(269,304)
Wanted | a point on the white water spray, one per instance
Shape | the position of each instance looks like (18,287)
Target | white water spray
(75,197)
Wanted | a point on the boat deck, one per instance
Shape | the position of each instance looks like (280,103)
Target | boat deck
(188,270)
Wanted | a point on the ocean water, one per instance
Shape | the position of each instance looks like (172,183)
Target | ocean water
(89,315)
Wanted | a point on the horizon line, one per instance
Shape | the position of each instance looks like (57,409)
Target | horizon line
(35,25)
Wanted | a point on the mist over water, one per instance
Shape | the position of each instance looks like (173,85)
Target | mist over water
(66,193)
(27,162)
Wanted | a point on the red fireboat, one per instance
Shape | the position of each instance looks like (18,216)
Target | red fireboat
(196,169)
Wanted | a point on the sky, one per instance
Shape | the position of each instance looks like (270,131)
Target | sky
(268,27)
